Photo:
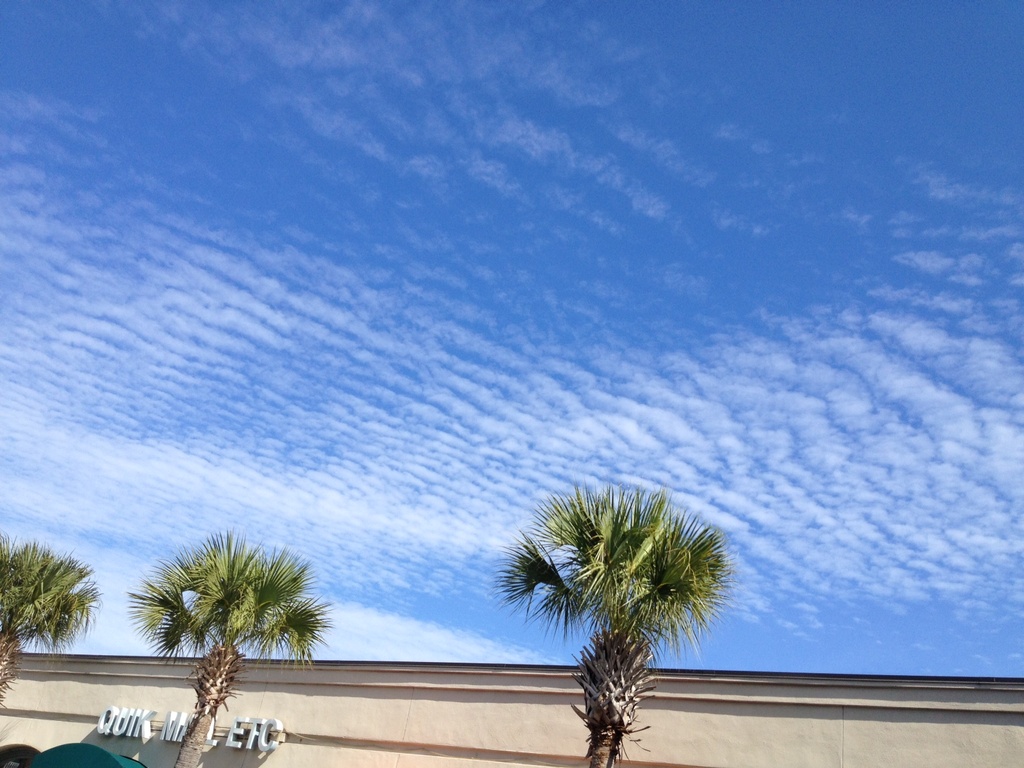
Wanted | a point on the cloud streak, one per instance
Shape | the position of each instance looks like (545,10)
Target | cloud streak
(187,380)
(412,272)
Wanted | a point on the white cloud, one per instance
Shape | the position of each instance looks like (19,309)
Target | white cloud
(382,402)
(666,154)
(364,633)
(932,262)
(726,220)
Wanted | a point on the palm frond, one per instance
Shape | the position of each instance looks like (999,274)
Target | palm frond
(295,632)
(635,572)
(230,594)
(531,582)
(619,560)
(47,599)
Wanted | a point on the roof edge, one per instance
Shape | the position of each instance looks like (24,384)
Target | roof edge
(669,672)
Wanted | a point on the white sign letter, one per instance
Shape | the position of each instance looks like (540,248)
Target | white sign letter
(174,726)
(267,744)
(142,728)
(121,722)
(106,720)
(236,732)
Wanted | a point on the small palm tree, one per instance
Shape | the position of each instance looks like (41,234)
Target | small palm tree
(47,600)
(636,574)
(222,601)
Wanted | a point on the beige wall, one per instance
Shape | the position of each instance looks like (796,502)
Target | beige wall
(441,716)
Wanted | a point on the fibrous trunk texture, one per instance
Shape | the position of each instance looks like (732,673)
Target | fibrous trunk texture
(216,676)
(194,740)
(614,671)
(10,657)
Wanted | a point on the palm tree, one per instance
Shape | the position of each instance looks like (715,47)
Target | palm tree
(634,573)
(47,600)
(222,601)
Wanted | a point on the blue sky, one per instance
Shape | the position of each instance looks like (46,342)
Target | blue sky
(370,281)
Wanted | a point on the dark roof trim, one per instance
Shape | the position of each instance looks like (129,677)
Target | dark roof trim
(719,674)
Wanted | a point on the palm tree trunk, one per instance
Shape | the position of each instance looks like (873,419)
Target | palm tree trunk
(605,753)
(194,740)
(10,656)
(615,674)
(216,678)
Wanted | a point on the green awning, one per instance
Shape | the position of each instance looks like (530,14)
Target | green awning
(82,756)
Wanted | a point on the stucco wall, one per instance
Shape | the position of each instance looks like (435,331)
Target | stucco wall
(457,716)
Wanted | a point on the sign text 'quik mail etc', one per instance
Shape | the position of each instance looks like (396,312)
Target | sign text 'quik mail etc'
(244,733)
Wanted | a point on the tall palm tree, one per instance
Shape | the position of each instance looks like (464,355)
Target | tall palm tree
(634,573)
(47,600)
(222,601)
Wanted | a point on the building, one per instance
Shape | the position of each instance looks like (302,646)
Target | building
(378,715)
